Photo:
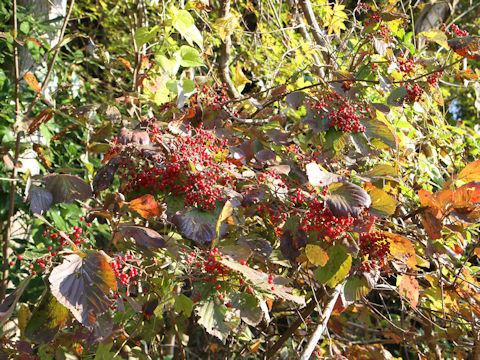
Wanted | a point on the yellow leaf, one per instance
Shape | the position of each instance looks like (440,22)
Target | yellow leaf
(335,20)
(437,36)
(316,255)
(226,25)
(32,81)
(240,78)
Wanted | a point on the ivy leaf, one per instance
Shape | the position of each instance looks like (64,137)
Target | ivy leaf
(46,320)
(197,225)
(40,199)
(410,285)
(316,255)
(383,205)
(144,35)
(190,57)
(347,199)
(212,317)
(82,284)
(337,267)
(355,287)
(246,307)
(104,177)
(143,236)
(146,206)
(67,188)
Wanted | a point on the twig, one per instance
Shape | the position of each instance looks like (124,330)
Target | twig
(317,334)
(54,58)
(223,62)
(13,186)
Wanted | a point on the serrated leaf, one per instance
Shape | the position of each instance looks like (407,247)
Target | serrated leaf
(146,206)
(143,236)
(383,205)
(337,267)
(183,304)
(82,285)
(67,188)
(346,199)
(40,199)
(246,307)
(46,319)
(316,255)
(355,288)
(260,279)
(410,285)
(318,177)
(212,317)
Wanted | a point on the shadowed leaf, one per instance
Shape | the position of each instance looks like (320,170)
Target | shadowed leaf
(82,285)
(8,305)
(383,205)
(67,188)
(40,200)
(143,236)
(466,46)
(104,177)
(355,287)
(246,307)
(347,199)
(292,239)
(197,225)
(337,267)
(212,317)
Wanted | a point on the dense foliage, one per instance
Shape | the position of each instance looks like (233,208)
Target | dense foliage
(227,180)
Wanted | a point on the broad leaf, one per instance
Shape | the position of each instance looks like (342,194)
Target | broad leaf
(397,96)
(383,205)
(346,199)
(67,188)
(318,177)
(104,177)
(435,35)
(190,57)
(146,206)
(246,307)
(355,288)
(468,46)
(143,236)
(337,267)
(471,172)
(382,131)
(410,285)
(197,225)
(401,248)
(46,319)
(8,305)
(316,255)
(292,239)
(212,317)
(82,284)
(40,199)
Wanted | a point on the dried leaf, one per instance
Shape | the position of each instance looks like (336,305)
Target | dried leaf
(40,119)
(146,206)
(410,285)
(32,81)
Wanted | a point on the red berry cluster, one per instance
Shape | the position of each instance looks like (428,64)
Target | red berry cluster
(342,115)
(376,246)
(385,32)
(414,93)
(196,168)
(405,66)
(433,79)
(124,273)
(459,32)
(212,96)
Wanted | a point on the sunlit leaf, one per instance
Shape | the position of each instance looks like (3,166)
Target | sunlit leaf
(410,285)
(42,118)
(316,255)
(246,307)
(212,317)
(318,177)
(46,319)
(401,248)
(468,46)
(146,206)
(437,36)
(83,285)
(383,205)
(471,172)
(337,267)
(32,81)
(346,199)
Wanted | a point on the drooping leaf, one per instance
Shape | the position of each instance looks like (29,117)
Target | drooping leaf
(292,239)
(401,248)
(316,255)
(347,199)
(410,285)
(104,177)
(432,222)
(83,285)
(146,206)
(260,279)
(197,225)
(8,305)
(67,188)
(40,199)
(337,267)
(212,317)
(318,177)
(246,307)
(143,236)
(383,205)
(46,319)
(355,288)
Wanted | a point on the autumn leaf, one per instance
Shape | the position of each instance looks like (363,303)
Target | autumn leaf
(401,248)
(146,206)
(410,285)
(32,81)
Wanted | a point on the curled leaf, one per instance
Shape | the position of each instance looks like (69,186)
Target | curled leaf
(143,236)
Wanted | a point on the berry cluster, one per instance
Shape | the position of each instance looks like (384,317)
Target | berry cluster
(212,96)
(342,115)
(376,247)
(195,168)
(459,32)
(414,93)
(433,79)
(124,273)
(405,66)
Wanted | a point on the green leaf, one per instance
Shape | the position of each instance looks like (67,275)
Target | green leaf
(144,35)
(190,57)
(382,131)
(184,23)
(316,255)
(103,351)
(247,307)
(337,267)
(46,320)
(355,287)
(188,86)
(183,303)
(212,318)
(397,96)
(171,65)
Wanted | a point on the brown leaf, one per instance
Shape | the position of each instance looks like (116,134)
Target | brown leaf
(146,206)
(466,46)
(432,223)
(40,119)
(401,248)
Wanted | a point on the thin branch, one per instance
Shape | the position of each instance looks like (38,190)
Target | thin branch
(225,48)
(54,59)
(317,334)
